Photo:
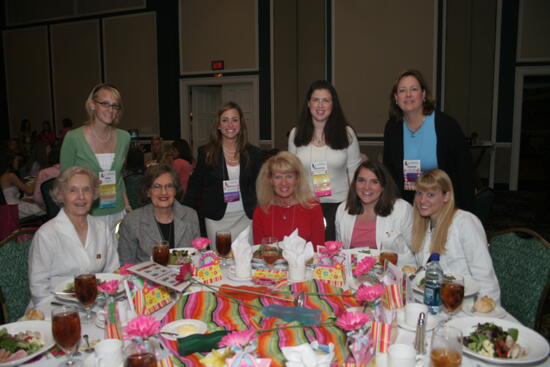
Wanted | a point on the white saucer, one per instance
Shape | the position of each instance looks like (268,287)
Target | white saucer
(200,327)
(467,304)
(430,324)
(232,276)
(91,362)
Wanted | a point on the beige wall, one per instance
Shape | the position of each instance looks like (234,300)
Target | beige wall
(218,30)
(76,67)
(27,76)
(534,30)
(373,42)
(130,58)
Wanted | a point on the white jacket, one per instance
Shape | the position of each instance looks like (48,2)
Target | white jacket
(56,254)
(466,253)
(398,223)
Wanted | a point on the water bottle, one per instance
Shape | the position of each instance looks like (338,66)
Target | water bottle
(432,284)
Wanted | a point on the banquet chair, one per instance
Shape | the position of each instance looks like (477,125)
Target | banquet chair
(14,281)
(521,259)
(132,183)
(51,206)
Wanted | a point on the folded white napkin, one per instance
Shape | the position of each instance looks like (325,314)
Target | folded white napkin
(242,252)
(296,252)
(305,356)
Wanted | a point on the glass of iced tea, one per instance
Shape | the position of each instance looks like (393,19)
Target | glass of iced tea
(161,253)
(85,287)
(452,293)
(446,347)
(223,245)
(388,252)
(270,250)
(141,360)
(66,331)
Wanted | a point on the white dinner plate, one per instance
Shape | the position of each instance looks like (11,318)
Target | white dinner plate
(104,277)
(230,273)
(91,362)
(537,347)
(468,303)
(173,327)
(43,327)
(430,324)
(191,252)
(470,285)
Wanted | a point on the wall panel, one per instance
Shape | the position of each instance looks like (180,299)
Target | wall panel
(533,31)
(130,59)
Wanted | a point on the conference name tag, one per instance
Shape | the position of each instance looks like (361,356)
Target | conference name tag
(231,190)
(411,172)
(321,178)
(107,189)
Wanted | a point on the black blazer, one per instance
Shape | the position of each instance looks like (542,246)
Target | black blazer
(205,192)
(453,156)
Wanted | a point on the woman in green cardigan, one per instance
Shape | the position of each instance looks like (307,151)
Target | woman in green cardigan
(101,147)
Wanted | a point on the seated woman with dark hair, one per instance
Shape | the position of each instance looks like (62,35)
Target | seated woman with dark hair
(456,235)
(286,202)
(52,171)
(373,212)
(162,219)
(182,161)
(73,242)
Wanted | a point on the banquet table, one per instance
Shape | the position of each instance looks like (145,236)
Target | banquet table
(403,336)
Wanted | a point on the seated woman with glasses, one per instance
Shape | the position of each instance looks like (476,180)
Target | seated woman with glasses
(101,147)
(286,203)
(73,242)
(456,235)
(162,219)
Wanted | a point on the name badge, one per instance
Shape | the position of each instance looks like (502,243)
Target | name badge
(107,189)
(231,190)
(321,179)
(411,172)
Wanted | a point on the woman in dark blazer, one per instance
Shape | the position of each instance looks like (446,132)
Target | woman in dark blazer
(421,138)
(223,184)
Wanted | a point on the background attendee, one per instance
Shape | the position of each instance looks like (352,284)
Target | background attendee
(38,158)
(67,124)
(285,202)
(47,135)
(457,235)
(182,161)
(163,218)
(133,175)
(223,184)
(418,138)
(73,242)
(328,148)
(52,171)
(155,155)
(101,147)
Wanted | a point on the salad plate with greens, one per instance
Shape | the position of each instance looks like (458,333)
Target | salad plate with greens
(500,341)
(24,340)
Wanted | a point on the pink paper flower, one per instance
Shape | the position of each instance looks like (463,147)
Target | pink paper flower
(123,269)
(141,327)
(352,320)
(200,243)
(369,293)
(110,287)
(186,272)
(237,339)
(364,266)
(332,247)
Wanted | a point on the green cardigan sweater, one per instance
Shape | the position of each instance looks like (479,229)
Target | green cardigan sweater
(76,151)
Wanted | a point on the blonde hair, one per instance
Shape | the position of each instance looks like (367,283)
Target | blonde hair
(283,162)
(433,180)
(61,182)
(93,96)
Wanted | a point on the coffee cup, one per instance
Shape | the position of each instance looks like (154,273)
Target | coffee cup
(108,353)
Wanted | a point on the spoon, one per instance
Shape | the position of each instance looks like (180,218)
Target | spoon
(89,348)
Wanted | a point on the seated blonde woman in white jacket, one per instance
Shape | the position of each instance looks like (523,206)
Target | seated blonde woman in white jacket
(456,235)
(373,214)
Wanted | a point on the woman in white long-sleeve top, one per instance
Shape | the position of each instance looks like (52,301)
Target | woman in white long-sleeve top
(73,242)
(328,148)
(374,214)
(457,235)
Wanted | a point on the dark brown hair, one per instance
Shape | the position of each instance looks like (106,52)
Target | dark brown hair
(395,112)
(151,174)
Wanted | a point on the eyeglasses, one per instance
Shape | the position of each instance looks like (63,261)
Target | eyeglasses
(159,187)
(107,105)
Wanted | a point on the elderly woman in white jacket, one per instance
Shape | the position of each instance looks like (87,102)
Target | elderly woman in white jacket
(373,214)
(456,235)
(73,242)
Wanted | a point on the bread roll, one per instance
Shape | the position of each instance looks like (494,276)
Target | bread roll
(407,269)
(33,314)
(484,304)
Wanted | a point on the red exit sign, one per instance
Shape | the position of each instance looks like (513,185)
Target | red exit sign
(217,65)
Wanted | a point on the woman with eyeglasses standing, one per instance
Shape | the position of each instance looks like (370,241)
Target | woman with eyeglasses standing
(101,147)
(162,219)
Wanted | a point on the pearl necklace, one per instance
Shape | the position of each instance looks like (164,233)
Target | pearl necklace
(98,138)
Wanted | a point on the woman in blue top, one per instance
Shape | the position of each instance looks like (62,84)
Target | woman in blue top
(418,138)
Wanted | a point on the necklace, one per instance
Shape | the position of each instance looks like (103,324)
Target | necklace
(319,141)
(228,151)
(170,231)
(413,132)
(98,138)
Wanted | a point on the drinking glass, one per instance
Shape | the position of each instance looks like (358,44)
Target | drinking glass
(66,331)
(388,252)
(141,360)
(452,293)
(161,253)
(446,347)
(270,250)
(85,287)
(223,245)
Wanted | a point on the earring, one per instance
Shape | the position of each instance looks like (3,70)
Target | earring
(396,102)
(424,100)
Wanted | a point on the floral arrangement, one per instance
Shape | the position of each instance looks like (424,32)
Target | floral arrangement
(141,327)
(186,271)
(371,293)
(201,243)
(243,344)
(109,288)
(123,270)
(332,247)
(360,343)
(364,266)
(351,321)
(237,339)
